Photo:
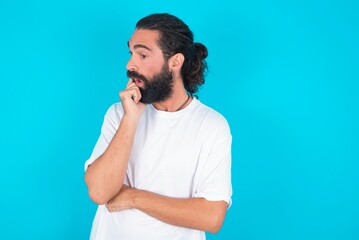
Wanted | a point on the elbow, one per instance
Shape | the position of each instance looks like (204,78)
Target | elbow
(98,197)
(215,226)
(217,220)
(97,193)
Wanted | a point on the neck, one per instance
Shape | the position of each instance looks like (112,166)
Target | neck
(179,99)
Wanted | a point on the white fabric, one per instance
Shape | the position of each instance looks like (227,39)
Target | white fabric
(177,154)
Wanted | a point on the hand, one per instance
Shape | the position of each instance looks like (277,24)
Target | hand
(130,99)
(122,201)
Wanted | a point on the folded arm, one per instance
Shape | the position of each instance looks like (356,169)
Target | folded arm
(196,213)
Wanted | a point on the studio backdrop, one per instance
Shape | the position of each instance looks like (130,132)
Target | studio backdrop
(284,73)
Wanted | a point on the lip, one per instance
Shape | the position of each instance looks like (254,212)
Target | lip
(138,82)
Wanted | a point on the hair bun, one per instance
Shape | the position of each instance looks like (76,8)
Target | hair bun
(200,50)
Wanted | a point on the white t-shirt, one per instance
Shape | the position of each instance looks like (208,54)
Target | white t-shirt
(181,154)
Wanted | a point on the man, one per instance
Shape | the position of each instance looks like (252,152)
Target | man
(161,168)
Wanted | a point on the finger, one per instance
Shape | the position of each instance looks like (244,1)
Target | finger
(109,207)
(131,85)
(129,82)
(135,93)
(136,96)
(132,93)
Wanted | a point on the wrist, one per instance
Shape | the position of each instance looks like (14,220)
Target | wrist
(131,118)
(136,198)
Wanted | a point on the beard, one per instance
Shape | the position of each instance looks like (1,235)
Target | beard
(157,89)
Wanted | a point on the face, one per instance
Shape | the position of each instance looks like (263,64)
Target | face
(156,89)
(148,68)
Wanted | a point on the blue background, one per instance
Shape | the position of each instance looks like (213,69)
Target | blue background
(284,73)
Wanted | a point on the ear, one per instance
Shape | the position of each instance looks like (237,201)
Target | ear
(176,62)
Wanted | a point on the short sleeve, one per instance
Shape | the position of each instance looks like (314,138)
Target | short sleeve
(214,182)
(109,127)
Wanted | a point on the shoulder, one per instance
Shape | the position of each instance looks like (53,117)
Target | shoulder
(212,115)
(212,119)
(114,113)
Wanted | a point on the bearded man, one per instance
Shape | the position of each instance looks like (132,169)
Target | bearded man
(161,168)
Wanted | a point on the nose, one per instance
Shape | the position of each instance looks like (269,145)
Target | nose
(131,66)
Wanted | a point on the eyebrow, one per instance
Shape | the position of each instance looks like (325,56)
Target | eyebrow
(136,46)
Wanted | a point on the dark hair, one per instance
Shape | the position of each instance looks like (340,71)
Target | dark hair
(176,37)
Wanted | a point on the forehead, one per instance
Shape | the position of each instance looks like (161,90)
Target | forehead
(142,37)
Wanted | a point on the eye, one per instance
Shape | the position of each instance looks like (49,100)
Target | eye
(142,56)
(130,53)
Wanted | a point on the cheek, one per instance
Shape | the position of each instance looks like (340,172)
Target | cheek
(154,67)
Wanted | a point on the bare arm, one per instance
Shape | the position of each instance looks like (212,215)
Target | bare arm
(196,213)
(105,176)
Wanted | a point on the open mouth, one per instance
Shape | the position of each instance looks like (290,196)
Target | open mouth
(138,82)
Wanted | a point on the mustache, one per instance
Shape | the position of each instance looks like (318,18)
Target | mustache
(133,74)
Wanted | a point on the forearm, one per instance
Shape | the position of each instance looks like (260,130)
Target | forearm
(196,213)
(105,176)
